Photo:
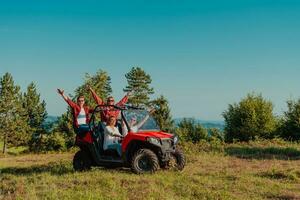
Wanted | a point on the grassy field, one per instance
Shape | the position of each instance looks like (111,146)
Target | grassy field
(239,171)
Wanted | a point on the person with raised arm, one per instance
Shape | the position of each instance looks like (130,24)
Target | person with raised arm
(80,112)
(134,125)
(110,111)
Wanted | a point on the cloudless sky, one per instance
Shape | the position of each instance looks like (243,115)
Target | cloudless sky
(202,55)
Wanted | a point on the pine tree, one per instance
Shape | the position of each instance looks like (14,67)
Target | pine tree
(35,108)
(139,82)
(13,119)
(36,112)
(162,114)
(100,82)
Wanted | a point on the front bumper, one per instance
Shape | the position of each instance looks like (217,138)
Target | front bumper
(166,147)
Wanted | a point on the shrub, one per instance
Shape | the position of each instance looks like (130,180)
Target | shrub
(251,118)
(290,128)
(215,134)
(55,142)
(189,130)
(47,142)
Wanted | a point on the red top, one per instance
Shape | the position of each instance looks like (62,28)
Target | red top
(76,110)
(110,111)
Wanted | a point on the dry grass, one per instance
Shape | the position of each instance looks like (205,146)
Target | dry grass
(208,175)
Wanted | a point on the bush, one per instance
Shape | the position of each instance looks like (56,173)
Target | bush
(290,128)
(215,134)
(55,142)
(35,143)
(251,118)
(47,142)
(189,130)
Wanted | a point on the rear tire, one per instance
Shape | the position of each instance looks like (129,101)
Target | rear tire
(82,161)
(144,161)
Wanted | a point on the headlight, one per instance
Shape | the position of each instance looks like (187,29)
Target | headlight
(154,141)
(176,139)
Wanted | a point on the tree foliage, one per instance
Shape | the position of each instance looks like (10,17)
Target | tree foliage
(35,108)
(162,114)
(139,82)
(290,126)
(36,113)
(251,118)
(215,133)
(100,82)
(13,119)
(189,130)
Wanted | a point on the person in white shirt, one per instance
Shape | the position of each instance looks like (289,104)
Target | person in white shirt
(112,136)
(134,125)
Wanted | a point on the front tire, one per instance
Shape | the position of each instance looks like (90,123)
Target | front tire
(180,159)
(177,161)
(144,161)
(82,161)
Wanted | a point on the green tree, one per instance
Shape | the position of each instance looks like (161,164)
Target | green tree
(13,118)
(36,112)
(251,118)
(139,82)
(100,82)
(290,128)
(191,131)
(65,126)
(162,114)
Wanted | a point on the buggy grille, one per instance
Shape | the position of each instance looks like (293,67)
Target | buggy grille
(167,143)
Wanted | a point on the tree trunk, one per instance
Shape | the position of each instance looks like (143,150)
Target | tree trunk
(5,144)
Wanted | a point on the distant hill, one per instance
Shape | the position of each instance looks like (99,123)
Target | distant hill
(51,119)
(50,123)
(205,123)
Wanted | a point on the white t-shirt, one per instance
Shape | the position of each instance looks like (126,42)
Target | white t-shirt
(81,119)
(109,138)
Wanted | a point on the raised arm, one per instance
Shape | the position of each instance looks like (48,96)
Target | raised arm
(139,125)
(123,101)
(66,98)
(97,99)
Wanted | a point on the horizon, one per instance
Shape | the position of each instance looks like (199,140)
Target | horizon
(201,56)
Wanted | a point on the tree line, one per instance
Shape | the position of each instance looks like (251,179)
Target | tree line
(23,115)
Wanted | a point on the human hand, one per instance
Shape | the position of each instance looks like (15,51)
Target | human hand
(61,92)
(88,87)
(151,110)
(130,93)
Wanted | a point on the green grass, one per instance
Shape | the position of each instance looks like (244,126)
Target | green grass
(13,150)
(216,174)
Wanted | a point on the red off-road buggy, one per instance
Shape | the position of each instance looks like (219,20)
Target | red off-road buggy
(144,151)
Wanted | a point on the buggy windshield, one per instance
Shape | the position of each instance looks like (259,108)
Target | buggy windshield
(140,120)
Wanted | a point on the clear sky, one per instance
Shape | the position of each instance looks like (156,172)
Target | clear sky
(202,55)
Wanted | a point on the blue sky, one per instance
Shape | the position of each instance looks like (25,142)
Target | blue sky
(202,55)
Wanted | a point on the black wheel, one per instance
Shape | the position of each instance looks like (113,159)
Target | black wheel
(180,159)
(144,161)
(177,161)
(82,161)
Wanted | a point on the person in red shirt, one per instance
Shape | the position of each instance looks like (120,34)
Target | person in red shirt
(110,111)
(80,112)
